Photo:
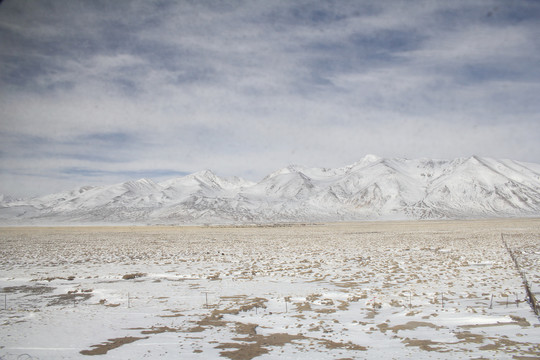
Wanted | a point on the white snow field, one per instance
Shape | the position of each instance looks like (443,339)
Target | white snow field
(386,290)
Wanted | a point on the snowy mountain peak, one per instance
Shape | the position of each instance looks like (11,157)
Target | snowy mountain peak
(372,188)
(370,158)
(140,185)
(204,174)
(367,160)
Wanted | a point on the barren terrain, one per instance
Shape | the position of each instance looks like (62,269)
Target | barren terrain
(433,289)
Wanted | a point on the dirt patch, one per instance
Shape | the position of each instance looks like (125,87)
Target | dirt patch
(159,330)
(426,345)
(132,276)
(371,313)
(346,284)
(325,311)
(216,317)
(411,325)
(246,329)
(51,278)
(468,337)
(313,297)
(29,290)
(233,298)
(304,306)
(335,345)
(213,320)
(255,345)
(413,313)
(343,305)
(510,346)
(520,321)
(68,299)
(175,313)
(196,329)
(111,344)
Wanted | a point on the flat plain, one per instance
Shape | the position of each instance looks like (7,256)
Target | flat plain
(393,290)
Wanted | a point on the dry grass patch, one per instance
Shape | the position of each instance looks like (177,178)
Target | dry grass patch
(111,344)
(329,344)
(132,276)
(255,345)
(411,325)
(426,345)
(159,330)
(30,290)
(68,299)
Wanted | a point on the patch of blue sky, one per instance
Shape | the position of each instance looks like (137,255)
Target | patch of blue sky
(362,52)
(112,138)
(196,74)
(516,12)
(494,13)
(126,86)
(317,14)
(18,145)
(385,43)
(477,73)
(21,72)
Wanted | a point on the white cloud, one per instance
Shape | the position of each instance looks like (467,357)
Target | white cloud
(245,88)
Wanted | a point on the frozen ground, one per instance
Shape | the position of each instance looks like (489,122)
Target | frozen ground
(339,291)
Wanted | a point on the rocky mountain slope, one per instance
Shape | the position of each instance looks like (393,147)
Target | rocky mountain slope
(373,188)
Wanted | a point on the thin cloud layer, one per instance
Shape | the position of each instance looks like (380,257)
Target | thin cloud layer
(98,92)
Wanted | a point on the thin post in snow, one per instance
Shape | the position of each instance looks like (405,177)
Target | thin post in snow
(491,302)
(129,305)
(206,298)
(507,300)
(442,300)
(5,301)
(410,297)
(286,309)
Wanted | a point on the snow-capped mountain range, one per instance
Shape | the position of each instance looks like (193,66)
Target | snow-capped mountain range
(371,189)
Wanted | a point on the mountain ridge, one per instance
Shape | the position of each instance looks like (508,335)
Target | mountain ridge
(372,188)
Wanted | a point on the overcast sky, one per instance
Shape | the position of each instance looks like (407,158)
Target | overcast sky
(99,92)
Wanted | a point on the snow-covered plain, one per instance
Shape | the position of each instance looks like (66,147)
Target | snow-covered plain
(401,290)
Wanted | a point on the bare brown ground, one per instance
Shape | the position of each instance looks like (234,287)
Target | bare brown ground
(364,227)
(250,344)
(411,325)
(426,345)
(111,344)
(510,346)
(159,330)
(255,345)
(34,290)
(216,317)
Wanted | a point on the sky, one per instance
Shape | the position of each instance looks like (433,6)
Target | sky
(100,92)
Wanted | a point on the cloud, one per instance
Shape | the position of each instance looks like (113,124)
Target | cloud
(94,92)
